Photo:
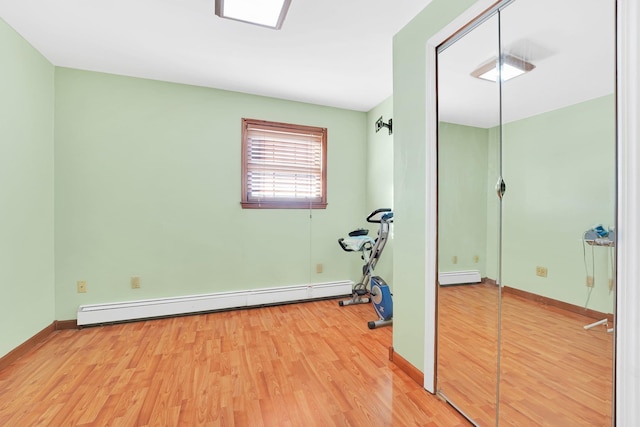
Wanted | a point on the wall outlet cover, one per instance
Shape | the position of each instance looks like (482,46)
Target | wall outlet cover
(82,286)
(135,282)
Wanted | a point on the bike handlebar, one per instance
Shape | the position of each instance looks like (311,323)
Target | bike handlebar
(343,246)
(387,216)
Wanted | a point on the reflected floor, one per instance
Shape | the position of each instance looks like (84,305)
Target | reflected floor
(468,349)
(553,371)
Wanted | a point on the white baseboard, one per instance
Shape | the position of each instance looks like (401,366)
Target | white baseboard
(459,277)
(160,307)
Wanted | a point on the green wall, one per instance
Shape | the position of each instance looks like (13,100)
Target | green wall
(409,119)
(148,184)
(560,172)
(462,197)
(379,183)
(26,190)
(379,158)
(492,260)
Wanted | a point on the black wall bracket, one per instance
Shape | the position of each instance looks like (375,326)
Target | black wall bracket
(380,124)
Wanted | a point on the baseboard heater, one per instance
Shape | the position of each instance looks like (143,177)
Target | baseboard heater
(459,277)
(95,314)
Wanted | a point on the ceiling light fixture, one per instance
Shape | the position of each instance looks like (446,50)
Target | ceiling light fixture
(512,67)
(266,13)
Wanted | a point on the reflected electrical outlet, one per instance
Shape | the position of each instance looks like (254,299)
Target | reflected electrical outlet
(541,271)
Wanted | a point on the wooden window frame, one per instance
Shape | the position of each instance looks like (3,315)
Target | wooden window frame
(247,202)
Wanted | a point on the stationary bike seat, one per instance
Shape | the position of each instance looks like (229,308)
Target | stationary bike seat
(359,232)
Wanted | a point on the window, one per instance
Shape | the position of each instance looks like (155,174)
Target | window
(283,165)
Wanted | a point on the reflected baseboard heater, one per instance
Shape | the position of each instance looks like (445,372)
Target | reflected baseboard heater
(96,314)
(459,277)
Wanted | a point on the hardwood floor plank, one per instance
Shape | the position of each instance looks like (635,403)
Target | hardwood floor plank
(467,367)
(310,364)
(304,364)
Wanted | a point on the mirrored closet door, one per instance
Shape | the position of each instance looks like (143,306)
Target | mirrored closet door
(526,214)
(468,218)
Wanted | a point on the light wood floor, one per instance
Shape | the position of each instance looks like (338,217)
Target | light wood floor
(310,364)
(553,372)
(467,368)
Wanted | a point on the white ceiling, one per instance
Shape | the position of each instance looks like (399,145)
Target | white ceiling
(331,52)
(571,43)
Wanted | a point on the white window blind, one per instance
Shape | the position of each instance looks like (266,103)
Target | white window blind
(284,164)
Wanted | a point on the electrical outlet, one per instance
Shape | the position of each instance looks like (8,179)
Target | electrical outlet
(590,282)
(455,259)
(610,284)
(135,282)
(82,286)
(319,268)
(476,258)
(541,271)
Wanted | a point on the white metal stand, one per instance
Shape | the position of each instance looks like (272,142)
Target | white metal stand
(598,323)
(594,240)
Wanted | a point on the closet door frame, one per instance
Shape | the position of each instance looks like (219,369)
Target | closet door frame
(627,365)
(627,340)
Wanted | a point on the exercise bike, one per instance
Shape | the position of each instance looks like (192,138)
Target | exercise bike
(371,288)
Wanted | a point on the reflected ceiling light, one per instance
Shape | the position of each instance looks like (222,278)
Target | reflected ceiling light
(511,67)
(266,13)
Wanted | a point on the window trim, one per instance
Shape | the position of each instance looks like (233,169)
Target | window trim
(246,203)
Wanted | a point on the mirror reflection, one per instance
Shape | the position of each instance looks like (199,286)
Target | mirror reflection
(527,281)
(468,219)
